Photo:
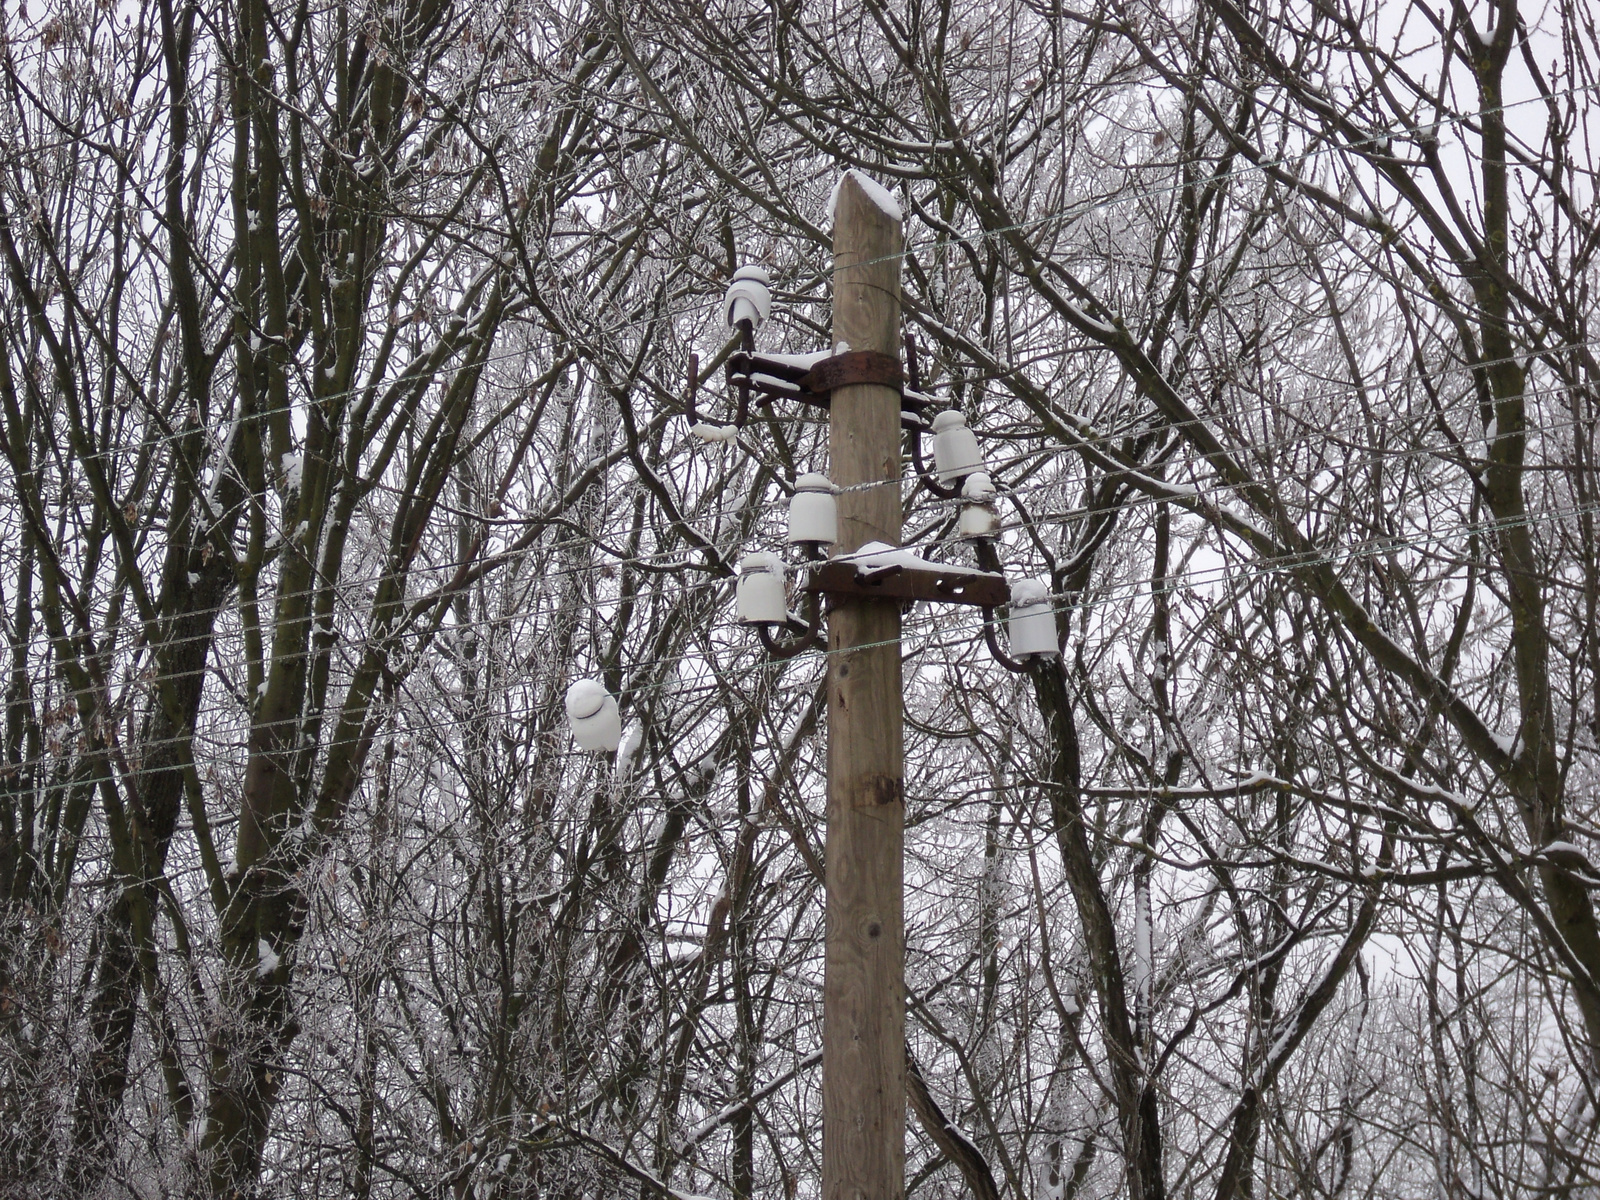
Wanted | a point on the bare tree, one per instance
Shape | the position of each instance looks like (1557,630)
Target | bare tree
(343,375)
(1269,272)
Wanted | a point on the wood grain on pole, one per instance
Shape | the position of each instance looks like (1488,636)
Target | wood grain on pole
(863,1024)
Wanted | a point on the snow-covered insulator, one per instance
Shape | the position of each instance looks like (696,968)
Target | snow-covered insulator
(813,512)
(747,297)
(1032,625)
(955,447)
(592,713)
(759,595)
(978,517)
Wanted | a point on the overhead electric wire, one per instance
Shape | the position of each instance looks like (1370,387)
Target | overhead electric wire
(1200,577)
(1204,491)
(344,588)
(1069,214)
(1384,543)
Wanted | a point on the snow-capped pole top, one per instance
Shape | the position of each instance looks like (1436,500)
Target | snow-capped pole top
(585,698)
(748,297)
(875,191)
(1025,593)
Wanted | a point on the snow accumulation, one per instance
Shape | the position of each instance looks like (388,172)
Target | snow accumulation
(799,362)
(978,488)
(628,751)
(748,297)
(875,556)
(267,958)
(585,698)
(1567,856)
(773,384)
(1562,847)
(1456,799)
(1028,592)
(715,433)
(1257,779)
(962,1136)
(761,561)
(876,192)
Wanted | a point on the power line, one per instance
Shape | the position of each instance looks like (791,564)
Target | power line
(1386,543)
(1068,214)
(1213,491)
(1063,604)
(342,588)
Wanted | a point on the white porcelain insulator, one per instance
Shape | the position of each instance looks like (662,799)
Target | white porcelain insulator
(1031,628)
(955,447)
(593,715)
(813,511)
(759,596)
(978,521)
(748,297)
(978,488)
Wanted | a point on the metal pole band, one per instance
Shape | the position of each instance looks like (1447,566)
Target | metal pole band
(857,366)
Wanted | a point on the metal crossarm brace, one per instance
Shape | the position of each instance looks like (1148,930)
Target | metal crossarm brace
(846,579)
(776,379)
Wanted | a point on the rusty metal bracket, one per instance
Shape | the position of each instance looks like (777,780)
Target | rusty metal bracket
(856,366)
(812,380)
(846,580)
(777,377)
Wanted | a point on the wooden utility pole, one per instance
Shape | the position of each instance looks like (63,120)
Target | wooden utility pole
(863,1022)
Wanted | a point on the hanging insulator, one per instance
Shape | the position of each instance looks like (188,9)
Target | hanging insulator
(955,447)
(1031,627)
(759,595)
(978,517)
(813,512)
(747,297)
(592,713)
